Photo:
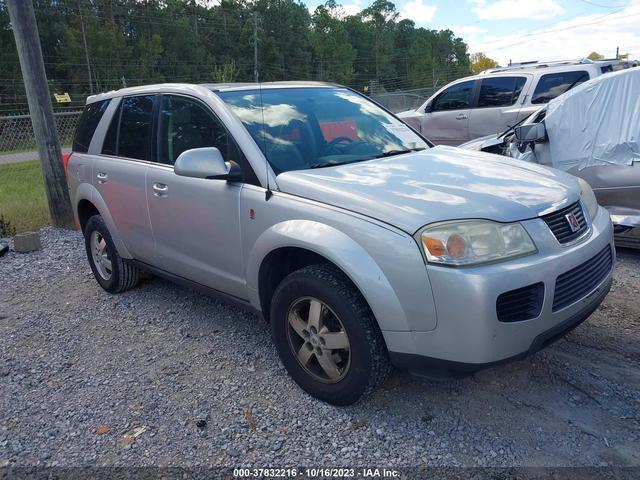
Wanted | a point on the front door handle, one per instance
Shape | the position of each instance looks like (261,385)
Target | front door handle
(462,116)
(160,189)
(102,177)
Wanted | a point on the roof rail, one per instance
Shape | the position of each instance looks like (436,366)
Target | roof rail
(551,63)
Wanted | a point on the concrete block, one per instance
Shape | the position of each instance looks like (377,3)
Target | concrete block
(27,242)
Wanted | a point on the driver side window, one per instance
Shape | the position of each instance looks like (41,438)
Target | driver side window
(454,98)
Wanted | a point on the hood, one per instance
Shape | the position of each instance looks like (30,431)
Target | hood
(441,183)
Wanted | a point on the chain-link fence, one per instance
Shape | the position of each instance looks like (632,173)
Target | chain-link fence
(16,131)
(403,100)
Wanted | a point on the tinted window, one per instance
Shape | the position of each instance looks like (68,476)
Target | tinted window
(554,84)
(87,125)
(134,135)
(111,138)
(185,124)
(453,98)
(500,91)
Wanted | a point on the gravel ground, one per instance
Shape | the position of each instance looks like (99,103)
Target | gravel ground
(164,376)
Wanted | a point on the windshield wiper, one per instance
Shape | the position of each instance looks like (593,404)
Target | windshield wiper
(323,165)
(392,153)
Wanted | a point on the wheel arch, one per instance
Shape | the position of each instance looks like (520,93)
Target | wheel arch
(293,244)
(88,202)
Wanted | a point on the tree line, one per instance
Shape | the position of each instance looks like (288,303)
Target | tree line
(96,45)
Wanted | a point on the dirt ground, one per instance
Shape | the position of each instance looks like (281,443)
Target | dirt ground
(162,375)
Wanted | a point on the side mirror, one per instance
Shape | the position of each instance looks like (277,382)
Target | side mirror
(427,108)
(207,163)
(530,133)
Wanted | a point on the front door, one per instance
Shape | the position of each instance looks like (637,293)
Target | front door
(446,119)
(195,221)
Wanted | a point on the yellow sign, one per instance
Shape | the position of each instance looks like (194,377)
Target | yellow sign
(64,98)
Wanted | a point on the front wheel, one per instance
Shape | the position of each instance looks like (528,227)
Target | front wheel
(327,336)
(111,271)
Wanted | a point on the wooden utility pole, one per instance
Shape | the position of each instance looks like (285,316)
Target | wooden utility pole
(25,31)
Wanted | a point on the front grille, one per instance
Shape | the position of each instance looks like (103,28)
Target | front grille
(560,225)
(579,281)
(521,304)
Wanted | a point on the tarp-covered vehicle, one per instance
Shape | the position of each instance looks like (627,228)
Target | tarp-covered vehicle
(592,131)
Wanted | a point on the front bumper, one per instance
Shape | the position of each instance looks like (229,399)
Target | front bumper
(469,336)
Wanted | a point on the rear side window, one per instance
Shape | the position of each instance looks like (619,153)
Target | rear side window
(87,125)
(454,98)
(500,91)
(134,134)
(553,84)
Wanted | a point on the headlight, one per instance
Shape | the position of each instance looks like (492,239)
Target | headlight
(469,242)
(588,198)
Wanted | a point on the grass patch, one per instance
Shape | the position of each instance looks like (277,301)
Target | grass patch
(22,199)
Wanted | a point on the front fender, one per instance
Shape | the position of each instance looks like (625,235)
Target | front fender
(86,191)
(340,249)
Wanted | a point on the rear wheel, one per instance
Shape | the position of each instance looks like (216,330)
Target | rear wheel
(326,335)
(111,271)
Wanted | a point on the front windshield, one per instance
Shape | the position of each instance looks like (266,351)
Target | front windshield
(300,128)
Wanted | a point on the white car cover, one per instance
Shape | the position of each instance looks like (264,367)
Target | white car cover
(596,123)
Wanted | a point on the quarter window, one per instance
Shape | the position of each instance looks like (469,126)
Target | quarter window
(185,124)
(500,91)
(454,98)
(134,135)
(87,125)
(553,84)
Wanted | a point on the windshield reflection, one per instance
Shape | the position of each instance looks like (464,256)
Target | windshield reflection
(317,127)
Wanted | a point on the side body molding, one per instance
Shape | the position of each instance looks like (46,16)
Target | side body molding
(344,252)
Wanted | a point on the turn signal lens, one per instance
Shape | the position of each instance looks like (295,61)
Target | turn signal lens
(434,246)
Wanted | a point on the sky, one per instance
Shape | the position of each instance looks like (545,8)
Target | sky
(524,30)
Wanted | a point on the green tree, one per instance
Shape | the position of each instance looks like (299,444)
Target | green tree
(332,51)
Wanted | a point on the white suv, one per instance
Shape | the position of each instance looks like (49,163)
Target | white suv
(496,99)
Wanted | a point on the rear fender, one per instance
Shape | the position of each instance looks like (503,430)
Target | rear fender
(86,191)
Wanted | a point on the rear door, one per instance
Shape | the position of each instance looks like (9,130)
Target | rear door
(196,222)
(119,173)
(497,106)
(446,118)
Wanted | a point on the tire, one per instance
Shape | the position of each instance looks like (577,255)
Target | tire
(360,368)
(119,276)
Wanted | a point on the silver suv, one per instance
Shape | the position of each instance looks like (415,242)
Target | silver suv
(494,100)
(361,244)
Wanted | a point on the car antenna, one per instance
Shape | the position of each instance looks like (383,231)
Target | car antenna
(268,194)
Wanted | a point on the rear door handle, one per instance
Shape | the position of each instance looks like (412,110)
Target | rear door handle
(102,177)
(462,116)
(160,189)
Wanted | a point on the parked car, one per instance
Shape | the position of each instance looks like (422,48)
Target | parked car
(361,244)
(592,132)
(496,99)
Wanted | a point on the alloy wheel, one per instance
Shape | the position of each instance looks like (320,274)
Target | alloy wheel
(318,340)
